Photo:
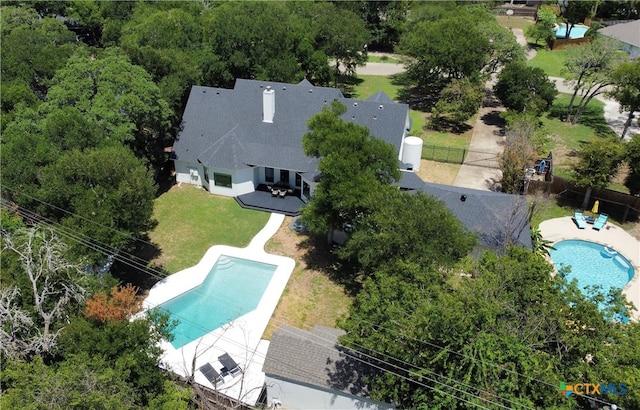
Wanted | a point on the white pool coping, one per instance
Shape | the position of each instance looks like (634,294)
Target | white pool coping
(611,235)
(240,338)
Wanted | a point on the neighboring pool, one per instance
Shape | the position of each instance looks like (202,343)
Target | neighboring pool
(577,31)
(233,288)
(592,264)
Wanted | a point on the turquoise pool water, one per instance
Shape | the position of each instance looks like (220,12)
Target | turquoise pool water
(233,287)
(576,31)
(592,264)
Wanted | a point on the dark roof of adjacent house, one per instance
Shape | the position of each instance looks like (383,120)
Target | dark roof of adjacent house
(626,32)
(492,216)
(315,358)
(224,128)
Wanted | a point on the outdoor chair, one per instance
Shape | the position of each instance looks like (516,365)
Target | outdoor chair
(211,374)
(229,364)
(578,218)
(282,193)
(600,222)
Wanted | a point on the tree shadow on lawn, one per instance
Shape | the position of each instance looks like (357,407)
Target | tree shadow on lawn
(319,255)
(347,84)
(418,98)
(592,117)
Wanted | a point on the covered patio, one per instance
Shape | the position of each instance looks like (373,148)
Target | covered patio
(263,200)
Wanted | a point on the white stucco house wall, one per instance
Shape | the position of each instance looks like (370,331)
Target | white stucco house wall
(232,140)
(309,370)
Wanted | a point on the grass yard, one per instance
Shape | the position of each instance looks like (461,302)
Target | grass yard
(371,84)
(514,22)
(551,62)
(566,139)
(191,220)
(311,297)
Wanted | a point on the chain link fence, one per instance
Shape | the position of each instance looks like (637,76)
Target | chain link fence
(444,154)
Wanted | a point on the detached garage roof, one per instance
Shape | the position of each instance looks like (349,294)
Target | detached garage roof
(315,358)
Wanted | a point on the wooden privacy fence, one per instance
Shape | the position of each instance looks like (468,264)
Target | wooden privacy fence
(444,154)
(621,206)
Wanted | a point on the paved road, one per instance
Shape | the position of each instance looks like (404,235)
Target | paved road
(480,169)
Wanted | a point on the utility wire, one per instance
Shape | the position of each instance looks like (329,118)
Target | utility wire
(94,245)
(106,250)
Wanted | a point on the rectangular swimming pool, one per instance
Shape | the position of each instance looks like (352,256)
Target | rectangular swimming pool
(233,288)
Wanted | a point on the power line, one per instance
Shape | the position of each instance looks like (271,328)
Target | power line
(94,245)
(104,249)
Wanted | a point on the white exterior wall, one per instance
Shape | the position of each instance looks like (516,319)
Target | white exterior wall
(262,179)
(299,396)
(312,187)
(184,174)
(241,182)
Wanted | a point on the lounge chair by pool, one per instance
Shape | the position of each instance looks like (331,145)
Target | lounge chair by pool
(211,374)
(578,218)
(600,222)
(229,364)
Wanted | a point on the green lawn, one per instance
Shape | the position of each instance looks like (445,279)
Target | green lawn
(591,123)
(191,220)
(549,210)
(551,62)
(371,84)
(514,22)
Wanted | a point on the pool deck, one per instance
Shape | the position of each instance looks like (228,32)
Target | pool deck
(240,338)
(611,235)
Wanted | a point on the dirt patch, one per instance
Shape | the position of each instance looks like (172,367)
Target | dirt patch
(311,297)
(438,172)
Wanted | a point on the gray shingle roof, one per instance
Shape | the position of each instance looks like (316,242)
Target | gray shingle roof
(490,215)
(626,32)
(313,358)
(224,128)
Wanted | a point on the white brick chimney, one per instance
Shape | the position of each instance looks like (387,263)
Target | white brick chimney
(268,104)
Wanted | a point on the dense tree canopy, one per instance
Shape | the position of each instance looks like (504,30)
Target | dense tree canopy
(598,162)
(385,20)
(104,193)
(410,227)
(356,170)
(33,48)
(508,334)
(118,97)
(632,155)
(525,89)
(456,42)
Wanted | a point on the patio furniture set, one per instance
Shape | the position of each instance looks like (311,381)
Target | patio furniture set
(230,367)
(280,189)
(581,220)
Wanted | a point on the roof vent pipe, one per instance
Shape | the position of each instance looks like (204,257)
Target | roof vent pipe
(268,104)
(463,198)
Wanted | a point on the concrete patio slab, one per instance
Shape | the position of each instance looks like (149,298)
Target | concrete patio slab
(241,338)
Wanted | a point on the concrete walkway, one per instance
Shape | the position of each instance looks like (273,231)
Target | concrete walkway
(480,169)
